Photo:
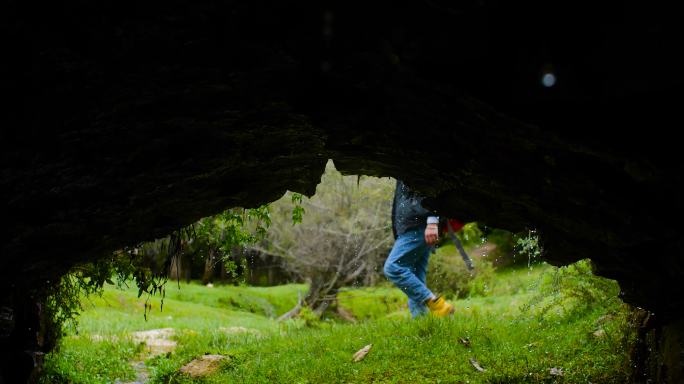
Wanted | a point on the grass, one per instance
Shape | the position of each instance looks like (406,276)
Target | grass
(79,360)
(428,350)
(520,324)
(101,348)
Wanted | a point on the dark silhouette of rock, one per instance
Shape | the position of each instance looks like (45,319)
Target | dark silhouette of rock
(124,120)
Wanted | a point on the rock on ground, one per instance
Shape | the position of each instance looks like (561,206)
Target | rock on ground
(156,340)
(203,366)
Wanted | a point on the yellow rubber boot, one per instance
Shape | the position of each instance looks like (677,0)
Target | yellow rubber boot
(439,307)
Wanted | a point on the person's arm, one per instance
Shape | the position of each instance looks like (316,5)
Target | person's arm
(432,230)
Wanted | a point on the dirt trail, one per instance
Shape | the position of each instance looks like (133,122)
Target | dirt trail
(157,342)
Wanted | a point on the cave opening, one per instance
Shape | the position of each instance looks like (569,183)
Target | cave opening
(304,269)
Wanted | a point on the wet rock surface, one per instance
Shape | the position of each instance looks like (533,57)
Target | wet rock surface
(128,120)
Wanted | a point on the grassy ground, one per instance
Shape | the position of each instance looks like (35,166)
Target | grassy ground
(520,325)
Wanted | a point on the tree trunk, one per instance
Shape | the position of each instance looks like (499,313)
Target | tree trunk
(321,294)
(223,274)
(209,267)
(176,268)
(187,269)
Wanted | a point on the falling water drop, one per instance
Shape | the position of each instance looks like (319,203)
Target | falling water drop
(548,80)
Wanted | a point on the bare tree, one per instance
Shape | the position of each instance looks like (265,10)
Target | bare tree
(343,238)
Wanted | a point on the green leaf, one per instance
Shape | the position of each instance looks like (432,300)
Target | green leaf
(297,215)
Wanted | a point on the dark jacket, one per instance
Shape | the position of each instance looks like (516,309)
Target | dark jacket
(407,211)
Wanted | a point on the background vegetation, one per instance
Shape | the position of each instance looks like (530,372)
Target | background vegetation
(342,239)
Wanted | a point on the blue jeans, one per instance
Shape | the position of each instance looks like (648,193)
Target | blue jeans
(406,267)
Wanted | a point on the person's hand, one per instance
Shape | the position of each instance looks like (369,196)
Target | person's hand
(431,234)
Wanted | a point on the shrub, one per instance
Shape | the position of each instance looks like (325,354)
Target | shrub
(572,290)
(448,274)
(372,303)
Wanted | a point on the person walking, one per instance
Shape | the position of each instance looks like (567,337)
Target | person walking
(416,231)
